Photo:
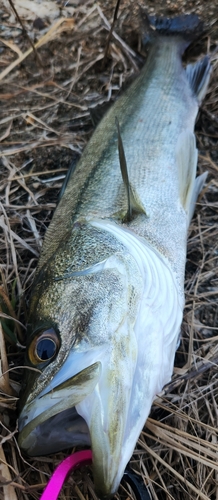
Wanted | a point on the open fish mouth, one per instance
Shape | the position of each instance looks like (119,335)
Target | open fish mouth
(62,431)
(50,422)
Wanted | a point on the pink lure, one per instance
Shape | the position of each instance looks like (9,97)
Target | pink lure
(70,463)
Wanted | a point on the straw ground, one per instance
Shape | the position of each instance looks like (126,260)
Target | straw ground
(44,125)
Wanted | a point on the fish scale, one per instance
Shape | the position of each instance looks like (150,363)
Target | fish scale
(108,295)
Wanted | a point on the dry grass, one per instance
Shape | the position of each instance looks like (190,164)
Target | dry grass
(44,125)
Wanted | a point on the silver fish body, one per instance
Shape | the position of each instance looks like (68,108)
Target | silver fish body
(112,291)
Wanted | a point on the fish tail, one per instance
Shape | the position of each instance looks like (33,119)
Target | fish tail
(186,28)
(187,25)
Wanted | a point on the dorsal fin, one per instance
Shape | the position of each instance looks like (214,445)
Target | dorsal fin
(133,206)
(124,171)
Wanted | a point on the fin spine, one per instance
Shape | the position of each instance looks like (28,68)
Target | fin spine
(124,171)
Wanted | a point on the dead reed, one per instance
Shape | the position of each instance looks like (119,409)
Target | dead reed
(44,124)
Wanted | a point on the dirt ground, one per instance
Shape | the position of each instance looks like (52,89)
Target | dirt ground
(45,96)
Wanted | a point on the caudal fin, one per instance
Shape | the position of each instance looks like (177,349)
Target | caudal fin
(187,25)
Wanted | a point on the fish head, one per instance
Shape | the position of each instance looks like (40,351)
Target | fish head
(82,352)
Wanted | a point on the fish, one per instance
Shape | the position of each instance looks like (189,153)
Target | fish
(108,296)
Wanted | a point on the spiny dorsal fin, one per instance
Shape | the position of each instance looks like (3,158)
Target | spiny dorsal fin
(124,171)
(189,186)
(133,206)
(198,75)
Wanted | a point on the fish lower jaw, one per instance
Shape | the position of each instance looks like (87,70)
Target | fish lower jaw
(105,492)
(107,488)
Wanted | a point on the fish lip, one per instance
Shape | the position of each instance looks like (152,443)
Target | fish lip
(75,364)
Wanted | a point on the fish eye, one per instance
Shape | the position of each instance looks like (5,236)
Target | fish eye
(44,347)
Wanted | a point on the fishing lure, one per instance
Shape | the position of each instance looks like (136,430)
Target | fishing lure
(79,459)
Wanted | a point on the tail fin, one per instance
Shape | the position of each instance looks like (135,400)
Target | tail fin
(186,25)
(188,28)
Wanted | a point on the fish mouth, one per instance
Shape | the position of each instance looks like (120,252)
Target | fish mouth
(62,431)
(50,422)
